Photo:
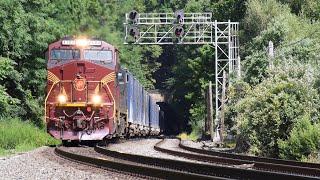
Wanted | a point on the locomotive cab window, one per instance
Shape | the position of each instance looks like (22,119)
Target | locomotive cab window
(65,54)
(98,55)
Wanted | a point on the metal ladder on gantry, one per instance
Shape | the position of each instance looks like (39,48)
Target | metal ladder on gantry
(190,28)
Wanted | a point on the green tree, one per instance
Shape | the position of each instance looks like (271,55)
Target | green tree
(303,141)
(271,109)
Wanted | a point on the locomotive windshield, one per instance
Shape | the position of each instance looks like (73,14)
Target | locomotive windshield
(65,54)
(98,55)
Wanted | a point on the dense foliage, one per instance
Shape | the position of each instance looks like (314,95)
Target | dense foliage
(271,109)
(26,29)
(303,141)
(276,110)
(280,98)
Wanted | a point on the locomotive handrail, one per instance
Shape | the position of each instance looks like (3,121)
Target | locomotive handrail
(45,102)
(73,80)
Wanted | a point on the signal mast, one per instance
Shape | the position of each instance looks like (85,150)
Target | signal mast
(190,28)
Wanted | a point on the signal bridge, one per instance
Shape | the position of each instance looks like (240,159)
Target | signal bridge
(190,28)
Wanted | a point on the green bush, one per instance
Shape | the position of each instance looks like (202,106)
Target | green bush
(237,91)
(16,136)
(270,110)
(303,141)
(197,117)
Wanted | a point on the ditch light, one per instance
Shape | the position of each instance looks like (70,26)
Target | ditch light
(81,42)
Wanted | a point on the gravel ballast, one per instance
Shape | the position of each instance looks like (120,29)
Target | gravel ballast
(42,163)
(145,147)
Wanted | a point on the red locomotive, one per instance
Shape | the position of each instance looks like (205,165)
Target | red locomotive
(89,97)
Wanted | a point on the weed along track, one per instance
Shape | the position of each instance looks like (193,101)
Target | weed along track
(202,166)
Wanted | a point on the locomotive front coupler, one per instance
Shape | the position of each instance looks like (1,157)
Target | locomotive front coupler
(61,124)
(79,112)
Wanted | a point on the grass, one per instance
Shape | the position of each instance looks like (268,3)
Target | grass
(17,136)
(194,136)
(230,143)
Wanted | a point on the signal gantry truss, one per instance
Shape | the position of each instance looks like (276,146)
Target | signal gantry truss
(190,28)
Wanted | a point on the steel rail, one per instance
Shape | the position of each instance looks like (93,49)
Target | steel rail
(249,158)
(274,170)
(134,168)
(200,167)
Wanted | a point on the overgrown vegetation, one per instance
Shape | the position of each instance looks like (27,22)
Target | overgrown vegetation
(278,98)
(270,110)
(276,110)
(18,136)
(303,141)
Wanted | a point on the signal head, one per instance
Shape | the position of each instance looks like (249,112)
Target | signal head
(133,15)
(179,16)
(134,32)
(178,31)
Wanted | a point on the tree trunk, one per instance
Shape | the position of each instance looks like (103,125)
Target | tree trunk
(223,97)
(210,113)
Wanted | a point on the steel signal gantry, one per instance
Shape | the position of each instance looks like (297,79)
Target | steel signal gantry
(190,28)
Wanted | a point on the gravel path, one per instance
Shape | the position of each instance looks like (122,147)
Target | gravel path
(42,163)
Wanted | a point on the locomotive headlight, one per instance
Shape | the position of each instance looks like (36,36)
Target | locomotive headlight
(82,42)
(62,98)
(96,99)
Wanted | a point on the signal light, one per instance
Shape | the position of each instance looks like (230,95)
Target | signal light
(179,16)
(133,15)
(134,32)
(179,31)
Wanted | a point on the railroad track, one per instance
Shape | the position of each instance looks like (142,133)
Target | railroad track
(151,167)
(279,167)
(119,161)
(249,158)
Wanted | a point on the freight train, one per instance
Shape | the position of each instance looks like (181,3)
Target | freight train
(90,97)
